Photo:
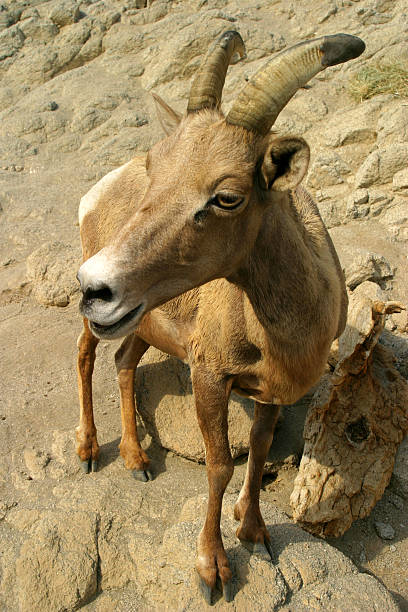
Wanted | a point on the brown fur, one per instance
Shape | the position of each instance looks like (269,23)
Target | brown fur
(251,299)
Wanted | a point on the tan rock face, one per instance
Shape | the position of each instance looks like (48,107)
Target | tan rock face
(65,556)
(64,13)
(57,566)
(306,571)
(400,181)
(381,165)
(39,29)
(74,103)
(358,125)
(327,169)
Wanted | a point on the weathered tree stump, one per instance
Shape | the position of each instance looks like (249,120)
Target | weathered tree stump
(358,416)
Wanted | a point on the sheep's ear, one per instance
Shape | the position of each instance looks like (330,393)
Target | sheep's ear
(168,117)
(285,163)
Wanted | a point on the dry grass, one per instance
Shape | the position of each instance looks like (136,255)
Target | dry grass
(379,79)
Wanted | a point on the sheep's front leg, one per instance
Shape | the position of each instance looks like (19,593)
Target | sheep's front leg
(211,397)
(87,443)
(252,528)
(127,358)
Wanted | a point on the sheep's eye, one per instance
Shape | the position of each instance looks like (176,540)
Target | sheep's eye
(227,200)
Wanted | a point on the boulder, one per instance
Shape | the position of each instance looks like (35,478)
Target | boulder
(52,269)
(70,41)
(91,48)
(64,12)
(166,405)
(107,18)
(7,18)
(381,165)
(11,40)
(357,204)
(39,29)
(36,67)
(368,267)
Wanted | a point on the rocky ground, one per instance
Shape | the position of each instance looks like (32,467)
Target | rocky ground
(74,96)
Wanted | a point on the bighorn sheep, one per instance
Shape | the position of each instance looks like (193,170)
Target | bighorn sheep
(208,249)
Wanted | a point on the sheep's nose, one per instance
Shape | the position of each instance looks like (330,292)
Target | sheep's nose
(93,288)
(101,292)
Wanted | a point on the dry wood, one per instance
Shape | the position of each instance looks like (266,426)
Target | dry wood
(357,419)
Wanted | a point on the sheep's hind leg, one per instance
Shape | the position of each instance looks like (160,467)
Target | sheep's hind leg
(127,358)
(252,530)
(87,443)
(211,397)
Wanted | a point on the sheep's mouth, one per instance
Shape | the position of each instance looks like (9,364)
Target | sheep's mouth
(111,330)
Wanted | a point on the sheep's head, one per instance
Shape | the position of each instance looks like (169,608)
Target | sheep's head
(209,183)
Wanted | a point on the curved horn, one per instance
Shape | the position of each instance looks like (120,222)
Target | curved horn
(207,87)
(268,92)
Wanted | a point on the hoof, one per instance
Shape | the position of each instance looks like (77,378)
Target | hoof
(88,465)
(142,475)
(228,591)
(206,591)
(84,466)
(269,549)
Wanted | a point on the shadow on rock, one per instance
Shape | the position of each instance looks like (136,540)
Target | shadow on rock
(166,406)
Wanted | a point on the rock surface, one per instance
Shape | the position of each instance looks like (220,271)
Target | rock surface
(166,405)
(52,268)
(306,572)
(384,530)
(368,267)
(75,104)
(130,564)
